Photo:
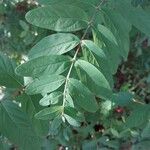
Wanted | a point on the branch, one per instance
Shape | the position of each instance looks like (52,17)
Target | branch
(97,8)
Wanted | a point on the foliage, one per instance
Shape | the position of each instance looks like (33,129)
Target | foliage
(63,95)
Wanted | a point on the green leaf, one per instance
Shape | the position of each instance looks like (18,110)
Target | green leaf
(121,29)
(89,144)
(49,113)
(82,96)
(94,73)
(58,18)
(55,44)
(45,84)
(73,116)
(4,145)
(49,2)
(99,85)
(16,126)
(106,107)
(96,56)
(135,15)
(111,51)
(138,117)
(122,98)
(143,145)
(94,48)
(53,64)
(113,56)
(107,34)
(8,77)
(52,98)
(72,121)
(24,25)
(87,5)
(146,131)
(30,105)
(69,101)
(56,123)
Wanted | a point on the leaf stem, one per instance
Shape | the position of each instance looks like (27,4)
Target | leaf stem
(77,51)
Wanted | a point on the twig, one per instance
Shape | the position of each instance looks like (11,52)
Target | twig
(77,51)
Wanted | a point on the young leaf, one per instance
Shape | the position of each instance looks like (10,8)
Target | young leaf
(55,44)
(53,64)
(82,96)
(58,18)
(52,98)
(107,34)
(45,84)
(8,77)
(49,113)
(16,126)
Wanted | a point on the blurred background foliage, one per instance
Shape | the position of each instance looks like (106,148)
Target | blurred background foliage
(16,35)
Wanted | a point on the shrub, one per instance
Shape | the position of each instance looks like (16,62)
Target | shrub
(70,73)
